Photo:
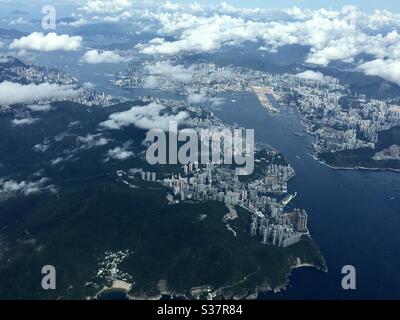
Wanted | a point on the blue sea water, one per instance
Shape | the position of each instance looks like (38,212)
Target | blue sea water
(113,294)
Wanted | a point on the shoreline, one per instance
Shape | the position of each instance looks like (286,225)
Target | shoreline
(316,158)
(299,264)
(253,294)
(117,285)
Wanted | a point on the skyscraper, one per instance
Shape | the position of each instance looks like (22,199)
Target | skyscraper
(302,218)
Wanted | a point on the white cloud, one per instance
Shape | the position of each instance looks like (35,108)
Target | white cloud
(19,20)
(77,23)
(95,56)
(11,92)
(170,6)
(175,73)
(151,82)
(59,160)
(47,42)
(331,35)
(146,117)
(88,85)
(25,187)
(41,147)
(56,161)
(311,75)
(119,17)
(189,28)
(91,141)
(387,69)
(24,122)
(106,6)
(40,107)
(203,34)
(74,124)
(119,153)
(199,98)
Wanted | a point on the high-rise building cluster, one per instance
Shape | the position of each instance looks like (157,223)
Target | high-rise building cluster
(338,118)
(39,74)
(215,182)
(282,230)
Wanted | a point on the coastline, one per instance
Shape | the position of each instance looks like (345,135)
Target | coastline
(316,158)
(299,264)
(253,294)
(118,285)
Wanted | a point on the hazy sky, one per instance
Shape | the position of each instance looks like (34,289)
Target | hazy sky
(67,6)
(365,5)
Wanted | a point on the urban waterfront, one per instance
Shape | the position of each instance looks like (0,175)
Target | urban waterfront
(354,214)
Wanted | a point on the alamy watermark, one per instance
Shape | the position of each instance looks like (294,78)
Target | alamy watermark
(49,280)
(349,280)
(202,146)
(49,20)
